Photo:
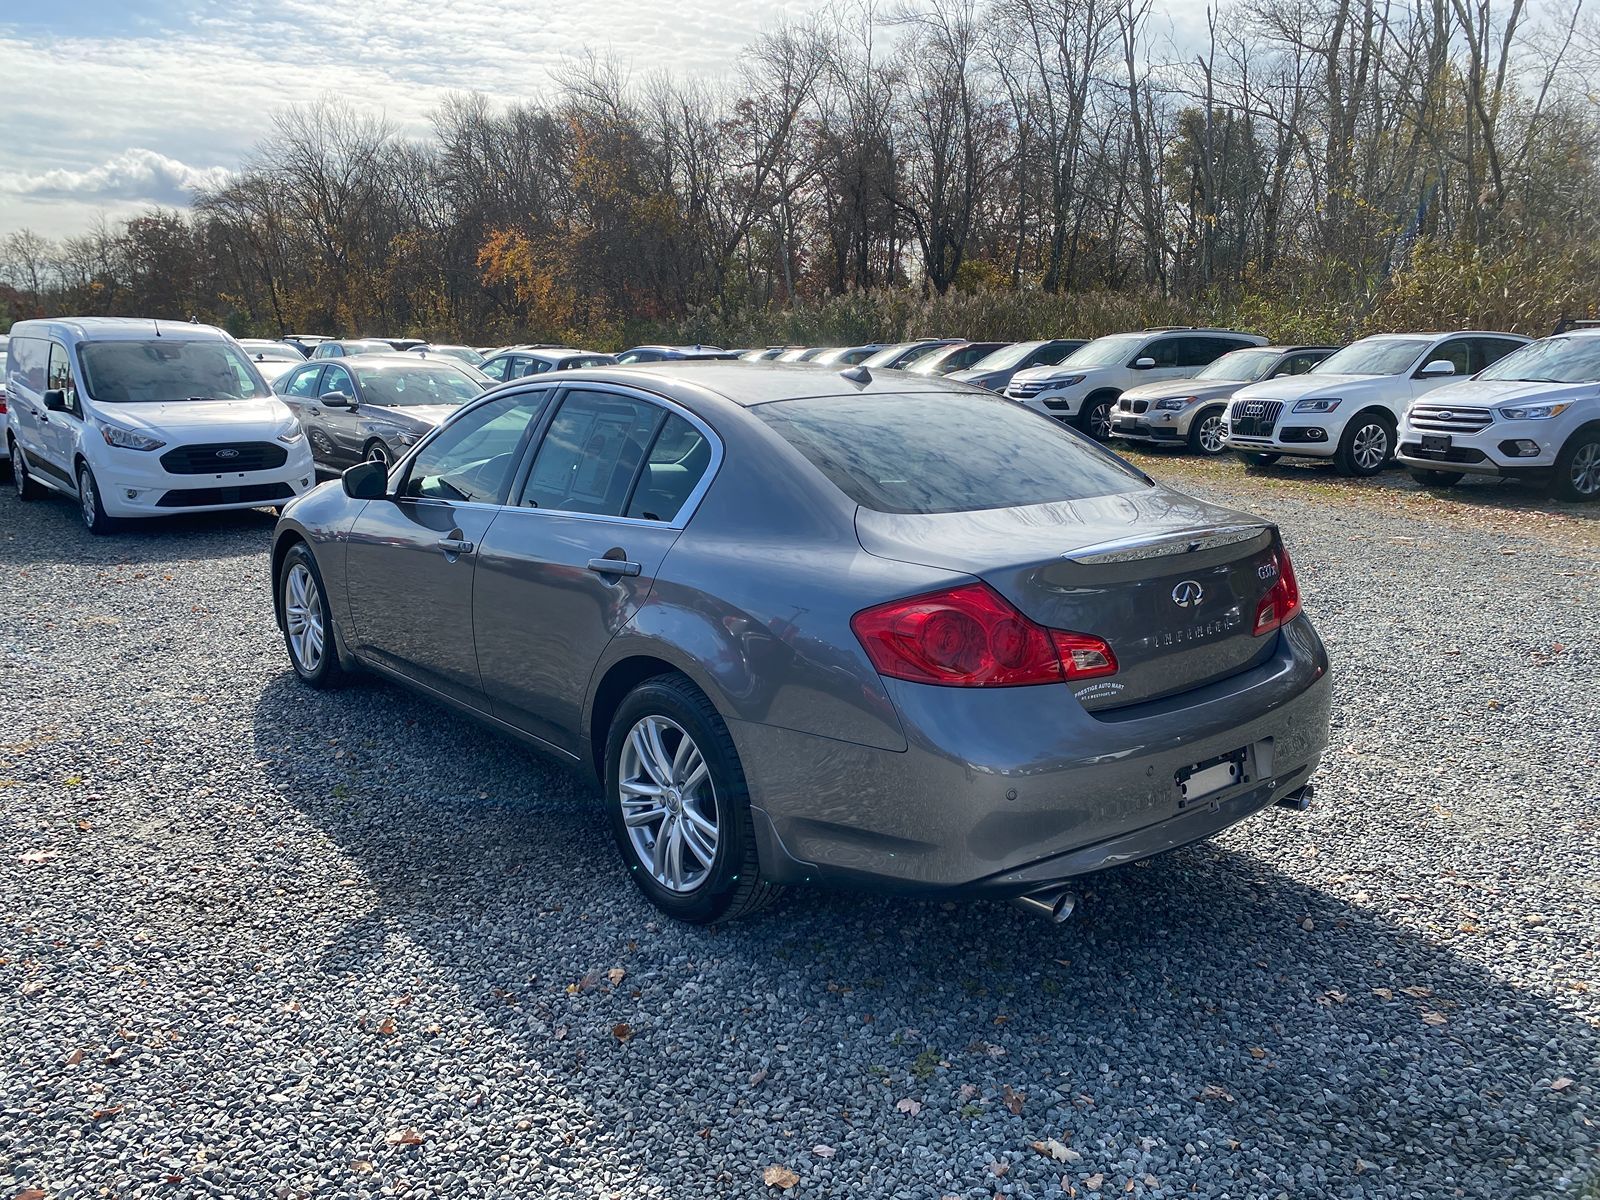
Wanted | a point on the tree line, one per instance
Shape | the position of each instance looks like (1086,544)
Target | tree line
(1075,158)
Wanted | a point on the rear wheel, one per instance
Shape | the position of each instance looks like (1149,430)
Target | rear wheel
(1577,471)
(90,507)
(1441,479)
(1205,433)
(1254,461)
(1094,418)
(1366,446)
(679,806)
(308,621)
(27,487)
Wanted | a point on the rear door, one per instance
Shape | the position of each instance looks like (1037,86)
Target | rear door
(577,549)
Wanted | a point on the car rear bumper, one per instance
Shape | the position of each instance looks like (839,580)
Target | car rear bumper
(1004,790)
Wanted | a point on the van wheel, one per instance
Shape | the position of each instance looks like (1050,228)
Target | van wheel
(27,487)
(1442,479)
(1366,447)
(90,506)
(679,805)
(1577,472)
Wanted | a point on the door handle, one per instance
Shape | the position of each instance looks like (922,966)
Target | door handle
(613,566)
(455,545)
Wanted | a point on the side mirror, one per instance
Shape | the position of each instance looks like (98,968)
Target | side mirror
(1437,367)
(338,400)
(1143,364)
(366,481)
(55,400)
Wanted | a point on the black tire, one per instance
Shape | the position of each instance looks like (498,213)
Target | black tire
(1254,461)
(321,671)
(1577,472)
(732,886)
(1094,418)
(91,509)
(1366,434)
(1437,479)
(376,451)
(1207,428)
(28,488)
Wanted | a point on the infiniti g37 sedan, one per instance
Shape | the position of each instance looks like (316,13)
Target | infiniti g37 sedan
(798,638)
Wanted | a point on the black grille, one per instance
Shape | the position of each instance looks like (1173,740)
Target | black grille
(255,493)
(223,458)
(1253,418)
(1141,406)
(1456,454)
(1443,418)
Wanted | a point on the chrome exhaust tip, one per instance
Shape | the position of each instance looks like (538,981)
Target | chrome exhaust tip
(1299,800)
(1055,903)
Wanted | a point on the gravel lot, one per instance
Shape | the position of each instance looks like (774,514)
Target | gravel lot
(261,942)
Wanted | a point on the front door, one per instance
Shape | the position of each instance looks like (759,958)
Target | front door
(411,557)
(576,553)
(340,424)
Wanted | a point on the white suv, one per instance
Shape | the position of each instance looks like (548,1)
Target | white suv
(1534,415)
(143,418)
(1084,385)
(1348,407)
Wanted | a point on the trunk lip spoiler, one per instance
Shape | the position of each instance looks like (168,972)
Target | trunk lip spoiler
(1168,544)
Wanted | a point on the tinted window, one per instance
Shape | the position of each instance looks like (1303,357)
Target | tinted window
(940,453)
(589,457)
(677,462)
(1492,350)
(495,368)
(472,456)
(1299,364)
(337,379)
(303,383)
(58,377)
(1457,352)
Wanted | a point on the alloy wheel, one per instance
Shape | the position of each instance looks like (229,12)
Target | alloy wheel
(1586,469)
(669,803)
(1211,434)
(87,502)
(1100,422)
(1370,447)
(19,469)
(302,611)
(379,453)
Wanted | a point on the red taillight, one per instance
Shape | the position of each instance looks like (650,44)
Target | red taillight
(972,637)
(1280,603)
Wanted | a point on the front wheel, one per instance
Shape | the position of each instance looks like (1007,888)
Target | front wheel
(90,507)
(379,453)
(1365,448)
(1577,472)
(1095,417)
(1440,479)
(679,806)
(1205,434)
(308,620)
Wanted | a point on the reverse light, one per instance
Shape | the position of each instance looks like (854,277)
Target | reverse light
(1316,406)
(1282,601)
(971,636)
(1533,412)
(128,439)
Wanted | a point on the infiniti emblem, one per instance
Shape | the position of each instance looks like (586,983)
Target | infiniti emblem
(1188,594)
(227,454)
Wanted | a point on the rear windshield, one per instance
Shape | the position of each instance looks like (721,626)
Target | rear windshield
(167,370)
(937,453)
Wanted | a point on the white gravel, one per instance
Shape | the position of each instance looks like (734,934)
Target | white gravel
(257,941)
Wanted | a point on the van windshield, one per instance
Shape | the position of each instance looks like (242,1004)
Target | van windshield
(168,370)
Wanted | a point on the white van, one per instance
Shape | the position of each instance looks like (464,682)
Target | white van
(143,418)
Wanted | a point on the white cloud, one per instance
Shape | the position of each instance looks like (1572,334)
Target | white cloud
(134,175)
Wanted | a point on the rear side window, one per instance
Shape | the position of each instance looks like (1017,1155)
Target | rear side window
(935,453)
(588,459)
(677,462)
(303,383)
(27,363)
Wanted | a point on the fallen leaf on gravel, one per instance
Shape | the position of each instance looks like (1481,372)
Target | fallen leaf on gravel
(1560,1085)
(1383,993)
(616,975)
(1417,992)
(31,1194)
(361,1167)
(998,1169)
(823,1150)
(1012,1099)
(84,827)
(1051,1148)
(1434,1018)
(38,856)
(622,1031)
(403,1137)
(387,1028)
(74,1058)
(966,1092)
(105,1114)
(779,1177)
(1215,1091)
(1094,1181)
(1256,1052)
(909,1106)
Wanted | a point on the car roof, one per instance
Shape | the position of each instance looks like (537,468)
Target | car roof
(748,384)
(74,330)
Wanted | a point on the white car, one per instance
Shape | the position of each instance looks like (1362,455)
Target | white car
(1082,387)
(1534,415)
(1348,407)
(145,418)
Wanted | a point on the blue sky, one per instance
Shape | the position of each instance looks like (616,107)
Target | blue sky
(114,105)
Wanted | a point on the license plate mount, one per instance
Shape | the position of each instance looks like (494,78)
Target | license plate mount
(1202,780)
(1439,443)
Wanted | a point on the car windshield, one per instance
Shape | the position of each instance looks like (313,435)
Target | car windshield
(464,354)
(888,354)
(165,370)
(1373,356)
(1553,360)
(928,364)
(892,453)
(1006,357)
(407,386)
(1114,351)
(1240,366)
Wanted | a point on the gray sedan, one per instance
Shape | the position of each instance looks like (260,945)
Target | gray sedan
(374,406)
(796,638)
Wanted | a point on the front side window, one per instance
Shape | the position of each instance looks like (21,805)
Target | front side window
(58,377)
(168,370)
(409,387)
(337,379)
(1457,352)
(495,368)
(472,456)
(894,454)
(589,458)
(1299,364)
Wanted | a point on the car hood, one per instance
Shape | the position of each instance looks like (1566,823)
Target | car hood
(419,416)
(1502,391)
(215,420)
(1033,374)
(1165,389)
(981,378)
(1297,387)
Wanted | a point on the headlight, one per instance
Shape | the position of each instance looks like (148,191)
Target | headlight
(116,435)
(1315,406)
(290,432)
(1174,403)
(1534,412)
(408,439)
(1064,381)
